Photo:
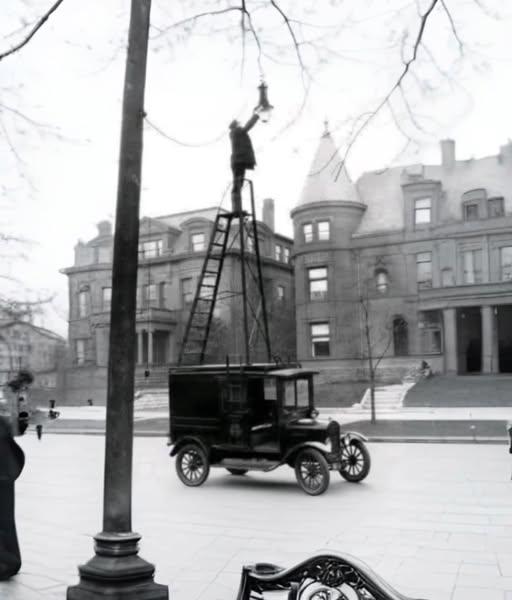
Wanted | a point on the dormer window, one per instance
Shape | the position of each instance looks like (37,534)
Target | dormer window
(471,211)
(495,207)
(198,242)
(473,204)
(150,249)
(422,211)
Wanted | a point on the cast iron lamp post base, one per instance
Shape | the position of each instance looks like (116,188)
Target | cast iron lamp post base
(117,572)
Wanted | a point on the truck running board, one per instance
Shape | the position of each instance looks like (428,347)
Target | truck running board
(251,464)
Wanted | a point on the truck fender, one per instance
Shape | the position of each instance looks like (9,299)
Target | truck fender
(347,436)
(289,457)
(188,440)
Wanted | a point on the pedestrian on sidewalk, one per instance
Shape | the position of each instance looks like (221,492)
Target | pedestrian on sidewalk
(11,465)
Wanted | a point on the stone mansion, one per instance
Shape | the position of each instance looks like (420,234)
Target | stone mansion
(419,257)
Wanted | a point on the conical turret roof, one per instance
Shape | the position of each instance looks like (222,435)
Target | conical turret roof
(328,178)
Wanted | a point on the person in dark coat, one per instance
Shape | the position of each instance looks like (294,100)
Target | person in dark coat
(242,155)
(12,461)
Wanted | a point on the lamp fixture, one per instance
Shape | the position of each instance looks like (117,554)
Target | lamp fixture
(264,108)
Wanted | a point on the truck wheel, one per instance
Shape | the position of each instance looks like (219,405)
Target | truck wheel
(237,471)
(192,465)
(355,461)
(312,471)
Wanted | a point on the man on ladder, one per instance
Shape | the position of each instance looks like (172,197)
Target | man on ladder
(242,156)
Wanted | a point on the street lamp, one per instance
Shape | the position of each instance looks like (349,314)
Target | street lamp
(264,107)
(116,571)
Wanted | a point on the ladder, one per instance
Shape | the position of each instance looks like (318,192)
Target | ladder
(195,339)
(193,348)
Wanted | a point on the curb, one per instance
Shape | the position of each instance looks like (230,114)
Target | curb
(373,439)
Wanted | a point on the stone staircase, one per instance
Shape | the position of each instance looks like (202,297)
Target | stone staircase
(387,397)
(152,399)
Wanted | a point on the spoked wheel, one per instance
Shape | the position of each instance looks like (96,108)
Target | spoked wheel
(192,465)
(237,471)
(312,471)
(355,461)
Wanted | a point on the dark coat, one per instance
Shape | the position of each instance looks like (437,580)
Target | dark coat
(12,460)
(242,152)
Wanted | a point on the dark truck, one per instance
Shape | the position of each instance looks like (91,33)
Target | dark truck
(257,417)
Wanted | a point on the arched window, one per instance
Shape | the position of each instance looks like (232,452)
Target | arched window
(381,280)
(400,336)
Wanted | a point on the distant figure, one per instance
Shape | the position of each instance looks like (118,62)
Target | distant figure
(39,431)
(242,156)
(90,402)
(426,370)
(11,466)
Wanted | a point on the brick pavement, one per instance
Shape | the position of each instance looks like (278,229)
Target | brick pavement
(434,520)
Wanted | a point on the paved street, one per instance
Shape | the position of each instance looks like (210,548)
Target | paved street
(435,520)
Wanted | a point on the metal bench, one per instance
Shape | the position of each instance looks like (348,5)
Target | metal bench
(322,577)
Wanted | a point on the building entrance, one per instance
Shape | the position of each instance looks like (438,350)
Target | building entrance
(469,339)
(504,318)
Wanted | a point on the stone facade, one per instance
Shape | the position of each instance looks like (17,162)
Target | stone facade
(23,345)
(419,257)
(171,254)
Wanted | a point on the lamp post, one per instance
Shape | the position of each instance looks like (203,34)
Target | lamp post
(116,571)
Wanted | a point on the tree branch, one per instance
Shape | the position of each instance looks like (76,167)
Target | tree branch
(33,31)
(384,102)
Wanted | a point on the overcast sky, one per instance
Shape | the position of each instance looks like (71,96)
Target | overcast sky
(59,176)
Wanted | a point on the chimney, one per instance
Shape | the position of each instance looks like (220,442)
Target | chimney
(268,213)
(104,228)
(448,154)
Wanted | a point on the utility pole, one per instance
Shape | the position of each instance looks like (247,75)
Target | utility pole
(116,571)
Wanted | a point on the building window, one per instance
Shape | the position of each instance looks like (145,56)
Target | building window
(447,277)
(279,252)
(471,211)
(104,254)
(307,230)
(400,336)
(429,323)
(472,265)
(83,304)
(424,270)
(249,242)
(150,249)
(320,339)
(280,293)
(382,281)
(106,297)
(324,230)
(506,263)
(162,294)
(80,351)
(187,295)
(495,207)
(317,283)
(198,242)
(286,255)
(422,211)
(150,295)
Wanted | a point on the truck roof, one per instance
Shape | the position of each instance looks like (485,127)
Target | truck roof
(276,370)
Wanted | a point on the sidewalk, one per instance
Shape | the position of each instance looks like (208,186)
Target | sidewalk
(435,521)
(470,425)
